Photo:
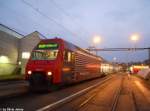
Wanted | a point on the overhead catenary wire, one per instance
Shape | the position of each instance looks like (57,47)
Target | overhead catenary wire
(51,19)
(19,30)
(66,14)
(119,49)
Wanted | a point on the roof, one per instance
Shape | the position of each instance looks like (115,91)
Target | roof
(37,34)
(10,31)
(18,35)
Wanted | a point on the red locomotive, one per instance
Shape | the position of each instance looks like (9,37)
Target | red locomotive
(56,61)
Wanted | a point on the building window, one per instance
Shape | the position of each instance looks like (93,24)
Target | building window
(25,55)
(4,59)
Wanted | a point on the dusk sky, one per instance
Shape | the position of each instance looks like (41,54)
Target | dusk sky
(78,21)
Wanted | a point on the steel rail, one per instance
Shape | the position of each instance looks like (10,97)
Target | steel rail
(116,98)
(102,86)
(67,99)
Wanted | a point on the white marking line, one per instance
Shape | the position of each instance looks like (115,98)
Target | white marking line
(66,99)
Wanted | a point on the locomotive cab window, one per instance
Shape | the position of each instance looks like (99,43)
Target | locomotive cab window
(45,51)
(44,55)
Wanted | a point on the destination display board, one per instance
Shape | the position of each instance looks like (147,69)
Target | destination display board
(47,46)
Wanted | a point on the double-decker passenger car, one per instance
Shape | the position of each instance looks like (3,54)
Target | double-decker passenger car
(56,61)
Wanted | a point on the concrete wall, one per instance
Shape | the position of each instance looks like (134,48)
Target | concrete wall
(26,45)
(12,44)
(8,53)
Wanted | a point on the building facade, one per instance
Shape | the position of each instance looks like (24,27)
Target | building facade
(15,50)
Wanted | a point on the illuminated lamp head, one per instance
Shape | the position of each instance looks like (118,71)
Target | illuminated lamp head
(29,72)
(49,73)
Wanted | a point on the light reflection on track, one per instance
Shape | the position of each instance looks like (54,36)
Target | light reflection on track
(143,89)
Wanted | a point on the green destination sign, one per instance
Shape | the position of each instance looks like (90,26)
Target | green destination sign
(48,46)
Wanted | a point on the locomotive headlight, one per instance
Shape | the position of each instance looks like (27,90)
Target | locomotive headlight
(29,72)
(49,73)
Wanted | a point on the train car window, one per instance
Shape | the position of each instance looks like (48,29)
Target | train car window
(65,56)
(69,57)
(72,57)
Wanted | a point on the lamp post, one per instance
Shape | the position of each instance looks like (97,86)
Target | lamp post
(135,38)
(114,63)
(114,59)
(96,40)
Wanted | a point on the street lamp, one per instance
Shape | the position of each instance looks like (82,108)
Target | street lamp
(135,38)
(114,59)
(114,63)
(96,40)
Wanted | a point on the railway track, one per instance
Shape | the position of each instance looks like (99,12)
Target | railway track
(95,92)
(81,105)
(64,101)
(117,93)
(116,96)
(134,102)
(140,95)
(131,104)
(120,99)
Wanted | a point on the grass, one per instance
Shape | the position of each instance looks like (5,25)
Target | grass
(11,77)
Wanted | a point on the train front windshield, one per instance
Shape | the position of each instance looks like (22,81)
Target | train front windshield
(44,55)
(45,52)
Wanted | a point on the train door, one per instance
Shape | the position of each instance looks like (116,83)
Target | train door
(68,66)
